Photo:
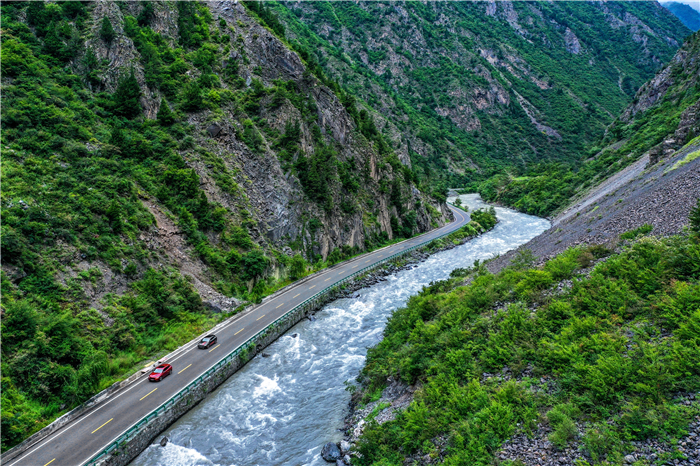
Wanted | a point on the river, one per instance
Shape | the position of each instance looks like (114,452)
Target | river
(280,410)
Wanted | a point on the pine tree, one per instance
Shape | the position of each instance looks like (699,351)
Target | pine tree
(107,31)
(165,115)
(695,219)
(126,97)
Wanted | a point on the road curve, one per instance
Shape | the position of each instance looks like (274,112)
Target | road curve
(77,442)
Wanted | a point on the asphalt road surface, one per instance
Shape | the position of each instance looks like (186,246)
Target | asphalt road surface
(77,442)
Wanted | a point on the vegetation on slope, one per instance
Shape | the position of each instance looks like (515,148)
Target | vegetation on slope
(612,351)
(450,76)
(688,15)
(82,164)
(642,128)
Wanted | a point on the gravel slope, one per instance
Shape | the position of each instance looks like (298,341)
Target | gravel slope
(661,195)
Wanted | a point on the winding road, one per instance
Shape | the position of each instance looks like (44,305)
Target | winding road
(80,440)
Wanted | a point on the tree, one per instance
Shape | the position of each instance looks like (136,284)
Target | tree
(695,219)
(192,97)
(165,115)
(126,97)
(107,31)
(298,267)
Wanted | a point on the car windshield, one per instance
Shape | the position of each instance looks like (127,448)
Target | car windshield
(159,370)
(205,340)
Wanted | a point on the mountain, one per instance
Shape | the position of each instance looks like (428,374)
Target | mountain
(162,163)
(581,346)
(663,117)
(476,89)
(688,15)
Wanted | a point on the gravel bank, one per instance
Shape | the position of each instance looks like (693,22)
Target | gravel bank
(661,195)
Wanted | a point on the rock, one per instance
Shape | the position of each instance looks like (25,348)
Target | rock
(330,452)
(265,355)
(340,463)
(344,446)
(214,130)
(294,335)
(311,317)
(630,459)
(163,441)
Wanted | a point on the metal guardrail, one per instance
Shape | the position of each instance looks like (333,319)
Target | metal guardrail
(136,428)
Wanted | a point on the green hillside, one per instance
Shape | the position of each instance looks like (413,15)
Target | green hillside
(604,358)
(156,174)
(476,89)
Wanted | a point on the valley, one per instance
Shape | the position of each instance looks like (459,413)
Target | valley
(172,167)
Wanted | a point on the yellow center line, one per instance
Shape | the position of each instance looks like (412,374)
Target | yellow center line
(312,287)
(354,266)
(183,370)
(260,317)
(238,332)
(340,273)
(47,464)
(151,391)
(296,295)
(214,348)
(106,423)
(279,306)
(367,260)
(327,279)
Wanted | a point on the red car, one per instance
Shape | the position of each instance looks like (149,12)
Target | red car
(160,372)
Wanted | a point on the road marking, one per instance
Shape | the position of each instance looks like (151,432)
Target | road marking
(183,370)
(214,347)
(312,287)
(260,317)
(238,332)
(47,464)
(354,266)
(367,260)
(296,295)
(340,273)
(58,434)
(279,306)
(106,423)
(155,389)
(327,279)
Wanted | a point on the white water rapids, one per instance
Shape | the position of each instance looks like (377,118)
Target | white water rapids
(280,410)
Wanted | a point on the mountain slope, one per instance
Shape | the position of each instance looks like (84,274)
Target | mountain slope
(161,163)
(663,117)
(689,16)
(478,87)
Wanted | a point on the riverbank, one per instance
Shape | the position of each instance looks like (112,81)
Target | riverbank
(276,408)
(590,359)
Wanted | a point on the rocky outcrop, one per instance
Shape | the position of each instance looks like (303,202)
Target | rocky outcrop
(403,48)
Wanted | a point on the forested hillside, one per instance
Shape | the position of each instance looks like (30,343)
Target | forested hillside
(477,89)
(161,163)
(589,359)
(688,15)
(663,117)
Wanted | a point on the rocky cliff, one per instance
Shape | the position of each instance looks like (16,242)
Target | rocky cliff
(479,86)
(162,162)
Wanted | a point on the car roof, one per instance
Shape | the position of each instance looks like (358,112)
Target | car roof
(162,365)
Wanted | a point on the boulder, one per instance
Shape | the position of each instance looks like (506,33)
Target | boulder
(164,441)
(344,446)
(331,453)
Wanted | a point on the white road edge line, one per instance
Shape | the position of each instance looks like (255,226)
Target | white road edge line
(50,438)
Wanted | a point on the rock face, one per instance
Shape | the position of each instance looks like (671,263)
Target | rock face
(480,95)
(260,190)
(331,453)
